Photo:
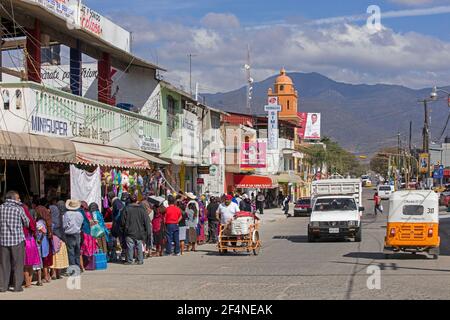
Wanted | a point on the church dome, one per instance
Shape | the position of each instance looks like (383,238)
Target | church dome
(283,78)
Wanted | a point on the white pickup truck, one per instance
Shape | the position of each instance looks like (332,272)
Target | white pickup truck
(336,209)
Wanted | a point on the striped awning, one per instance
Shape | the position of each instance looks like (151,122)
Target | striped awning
(30,147)
(101,155)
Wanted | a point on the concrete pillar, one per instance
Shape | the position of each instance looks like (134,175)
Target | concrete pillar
(76,80)
(104,79)
(33,48)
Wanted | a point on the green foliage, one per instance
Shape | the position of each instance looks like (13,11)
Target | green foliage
(337,159)
(380,162)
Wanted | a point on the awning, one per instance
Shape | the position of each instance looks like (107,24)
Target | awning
(289,178)
(30,147)
(253,182)
(93,154)
(147,156)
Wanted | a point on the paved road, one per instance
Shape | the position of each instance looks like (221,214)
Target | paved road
(288,268)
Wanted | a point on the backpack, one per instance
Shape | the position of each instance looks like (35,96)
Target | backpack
(115,230)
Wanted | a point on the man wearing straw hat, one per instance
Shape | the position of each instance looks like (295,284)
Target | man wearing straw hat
(72,222)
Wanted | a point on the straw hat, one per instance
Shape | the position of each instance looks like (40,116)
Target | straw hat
(191,196)
(73,204)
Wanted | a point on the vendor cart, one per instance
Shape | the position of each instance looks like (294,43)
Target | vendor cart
(240,235)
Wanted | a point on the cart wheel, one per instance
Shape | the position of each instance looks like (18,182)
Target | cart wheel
(256,244)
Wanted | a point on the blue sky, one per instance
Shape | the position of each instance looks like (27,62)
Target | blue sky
(408,50)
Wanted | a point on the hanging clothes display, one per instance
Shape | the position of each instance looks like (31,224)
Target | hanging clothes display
(86,186)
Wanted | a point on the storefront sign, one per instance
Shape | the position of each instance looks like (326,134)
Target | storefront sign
(150,144)
(66,9)
(91,133)
(273,108)
(213,171)
(200,181)
(103,28)
(49,126)
(203,170)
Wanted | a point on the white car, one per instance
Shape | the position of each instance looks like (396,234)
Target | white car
(385,191)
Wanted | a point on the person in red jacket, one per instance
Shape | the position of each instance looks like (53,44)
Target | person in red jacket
(377,200)
(173,218)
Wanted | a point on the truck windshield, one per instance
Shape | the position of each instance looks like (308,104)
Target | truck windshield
(335,204)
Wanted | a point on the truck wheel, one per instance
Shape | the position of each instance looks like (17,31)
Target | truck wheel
(311,237)
(358,237)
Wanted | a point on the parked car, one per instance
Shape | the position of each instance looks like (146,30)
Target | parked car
(302,207)
(385,191)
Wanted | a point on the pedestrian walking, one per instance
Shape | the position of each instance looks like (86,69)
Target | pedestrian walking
(33,260)
(149,241)
(213,220)
(260,201)
(172,219)
(136,229)
(72,222)
(12,242)
(377,201)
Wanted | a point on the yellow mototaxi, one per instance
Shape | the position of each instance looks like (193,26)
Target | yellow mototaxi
(413,223)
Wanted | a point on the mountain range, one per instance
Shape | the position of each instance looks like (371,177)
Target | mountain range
(362,118)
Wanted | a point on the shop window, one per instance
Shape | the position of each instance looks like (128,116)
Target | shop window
(171,116)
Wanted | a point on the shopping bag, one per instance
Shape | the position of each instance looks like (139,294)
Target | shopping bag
(381,207)
(97,231)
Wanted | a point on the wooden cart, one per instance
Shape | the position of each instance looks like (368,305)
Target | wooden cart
(240,243)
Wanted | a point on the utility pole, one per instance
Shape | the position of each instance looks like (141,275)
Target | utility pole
(410,137)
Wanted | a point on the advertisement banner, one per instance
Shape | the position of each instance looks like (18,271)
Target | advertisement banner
(424,163)
(253,156)
(273,108)
(96,24)
(438,172)
(66,9)
(310,126)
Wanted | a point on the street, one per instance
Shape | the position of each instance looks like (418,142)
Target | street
(288,267)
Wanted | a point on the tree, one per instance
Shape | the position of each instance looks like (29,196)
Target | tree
(337,159)
(380,162)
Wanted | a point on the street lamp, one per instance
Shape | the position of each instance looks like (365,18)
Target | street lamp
(434,94)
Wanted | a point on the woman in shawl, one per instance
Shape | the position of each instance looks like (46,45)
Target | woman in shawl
(149,243)
(44,239)
(32,257)
(60,254)
(97,218)
(89,244)
(159,230)
(201,223)
(192,223)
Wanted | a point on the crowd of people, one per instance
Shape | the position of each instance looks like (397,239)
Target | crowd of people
(43,240)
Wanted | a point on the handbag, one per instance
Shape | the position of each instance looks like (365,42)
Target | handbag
(97,231)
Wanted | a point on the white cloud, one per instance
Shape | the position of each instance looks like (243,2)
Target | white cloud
(220,21)
(344,52)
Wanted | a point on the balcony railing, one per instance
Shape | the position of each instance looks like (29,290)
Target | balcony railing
(34,108)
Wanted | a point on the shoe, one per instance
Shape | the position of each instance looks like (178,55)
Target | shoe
(177,254)
(128,263)
(140,263)
(17,290)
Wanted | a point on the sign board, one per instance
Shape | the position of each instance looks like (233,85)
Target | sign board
(253,156)
(200,181)
(203,170)
(213,170)
(310,126)
(438,172)
(273,108)
(103,28)
(424,163)
(65,9)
